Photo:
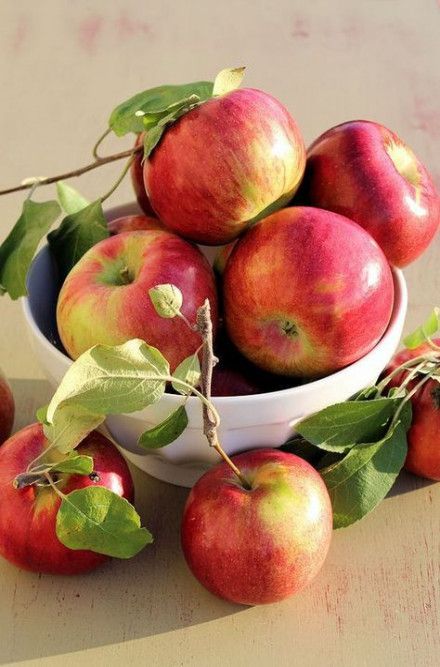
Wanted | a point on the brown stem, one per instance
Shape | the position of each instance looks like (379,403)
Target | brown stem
(210,422)
(29,183)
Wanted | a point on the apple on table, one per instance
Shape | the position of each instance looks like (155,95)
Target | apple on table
(7,409)
(423,457)
(28,515)
(260,544)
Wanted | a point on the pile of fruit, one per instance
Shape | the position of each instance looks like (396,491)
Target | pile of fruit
(302,286)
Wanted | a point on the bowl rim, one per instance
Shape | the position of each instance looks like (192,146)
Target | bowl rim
(397,315)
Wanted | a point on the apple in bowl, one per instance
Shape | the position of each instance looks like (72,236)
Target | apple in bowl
(105,298)
(225,164)
(306,292)
(364,171)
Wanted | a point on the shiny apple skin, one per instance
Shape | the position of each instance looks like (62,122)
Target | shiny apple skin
(306,292)
(93,309)
(7,409)
(137,179)
(423,457)
(223,164)
(349,171)
(261,545)
(28,516)
(133,223)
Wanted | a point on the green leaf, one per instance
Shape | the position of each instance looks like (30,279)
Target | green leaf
(363,478)
(167,300)
(41,414)
(188,371)
(423,333)
(365,394)
(18,249)
(70,199)
(75,465)
(113,379)
(304,449)
(97,519)
(342,425)
(124,118)
(227,80)
(70,424)
(77,233)
(167,431)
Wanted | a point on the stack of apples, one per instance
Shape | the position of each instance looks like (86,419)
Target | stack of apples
(305,285)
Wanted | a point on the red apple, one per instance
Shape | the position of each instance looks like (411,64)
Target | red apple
(306,292)
(28,515)
(423,457)
(137,179)
(366,172)
(133,223)
(7,409)
(259,545)
(105,299)
(224,164)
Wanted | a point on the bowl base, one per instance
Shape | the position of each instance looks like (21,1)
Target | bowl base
(181,474)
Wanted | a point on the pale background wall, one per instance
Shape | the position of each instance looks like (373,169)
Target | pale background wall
(63,66)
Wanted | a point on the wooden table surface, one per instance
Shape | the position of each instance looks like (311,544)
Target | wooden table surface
(63,66)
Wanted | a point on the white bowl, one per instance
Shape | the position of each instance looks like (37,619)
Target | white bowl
(247,422)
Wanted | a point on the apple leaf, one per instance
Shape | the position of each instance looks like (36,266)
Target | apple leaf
(340,426)
(165,432)
(41,414)
(77,233)
(19,247)
(69,425)
(425,332)
(188,371)
(70,199)
(167,300)
(358,482)
(99,520)
(113,379)
(129,115)
(74,465)
(227,80)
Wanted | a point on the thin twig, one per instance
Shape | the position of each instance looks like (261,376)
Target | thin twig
(29,183)
(210,419)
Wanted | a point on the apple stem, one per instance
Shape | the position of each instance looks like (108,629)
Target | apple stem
(211,419)
(426,358)
(99,162)
(99,142)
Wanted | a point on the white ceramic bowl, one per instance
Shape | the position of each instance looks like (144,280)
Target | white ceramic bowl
(247,422)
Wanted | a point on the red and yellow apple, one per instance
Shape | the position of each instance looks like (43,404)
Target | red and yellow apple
(133,223)
(364,171)
(28,515)
(7,409)
(222,256)
(224,164)
(105,298)
(263,544)
(423,457)
(137,179)
(306,292)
